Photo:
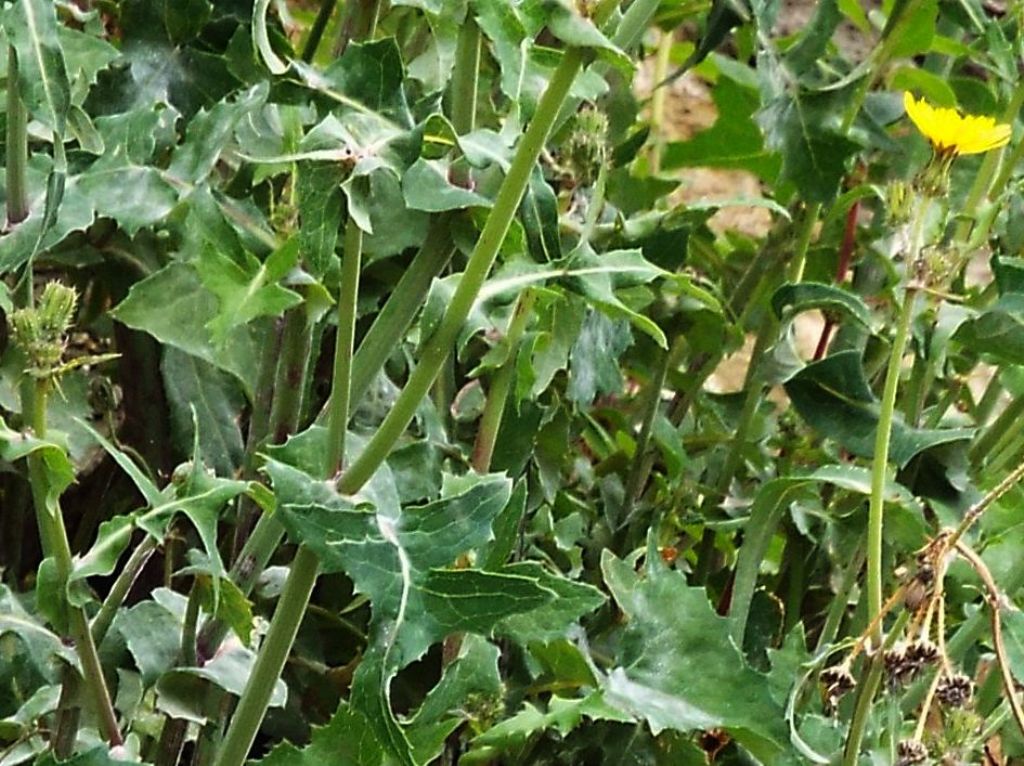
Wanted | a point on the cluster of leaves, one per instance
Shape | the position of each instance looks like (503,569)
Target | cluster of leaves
(577,551)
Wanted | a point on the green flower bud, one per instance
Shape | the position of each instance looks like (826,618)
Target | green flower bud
(57,309)
(586,148)
(39,331)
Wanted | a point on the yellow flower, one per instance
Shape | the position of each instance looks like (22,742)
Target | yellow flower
(952,133)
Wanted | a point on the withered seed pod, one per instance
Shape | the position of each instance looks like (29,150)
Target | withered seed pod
(910,752)
(955,690)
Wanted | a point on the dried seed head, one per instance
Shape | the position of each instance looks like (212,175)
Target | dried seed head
(910,752)
(897,669)
(922,653)
(837,681)
(955,690)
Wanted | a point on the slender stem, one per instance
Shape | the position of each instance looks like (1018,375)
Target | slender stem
(17,146)
(272,656)
(119,590)
(293,342)
(259,425)
(463,106)
(316,32)
(1008,422)
(986,173)
(252,560)
(188,631)
(989,399)
(641,467)
(302,577)
(866,694)
(657,121)
(263,399)
(875,518)
(803,241)
(1000,184)
(754,393)
(340,402)
(497,397)
(51,528)
(840,601)
(880,464)
(360,23)
(996,601)
(926,706)
(172,739)
(440,344)
(596,205)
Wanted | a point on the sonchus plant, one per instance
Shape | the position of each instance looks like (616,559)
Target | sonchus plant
(511,382)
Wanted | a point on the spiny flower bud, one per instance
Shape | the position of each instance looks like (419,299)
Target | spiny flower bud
(39,331)
(954,691)
(910,752)
(938,266)
(57,308)
(586,148)
(901,203)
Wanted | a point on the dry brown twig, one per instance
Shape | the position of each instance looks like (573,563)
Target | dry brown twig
(996,602)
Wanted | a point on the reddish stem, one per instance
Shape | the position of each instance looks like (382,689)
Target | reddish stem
(845,256)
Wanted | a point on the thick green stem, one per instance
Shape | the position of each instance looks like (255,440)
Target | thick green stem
(290,383)
(498,222)
(17,146)
(465,77)
(316,32)
(276,646)
(497,397)
(341,389)
(394,319)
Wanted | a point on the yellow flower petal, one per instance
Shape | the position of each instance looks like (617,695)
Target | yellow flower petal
(951,132)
